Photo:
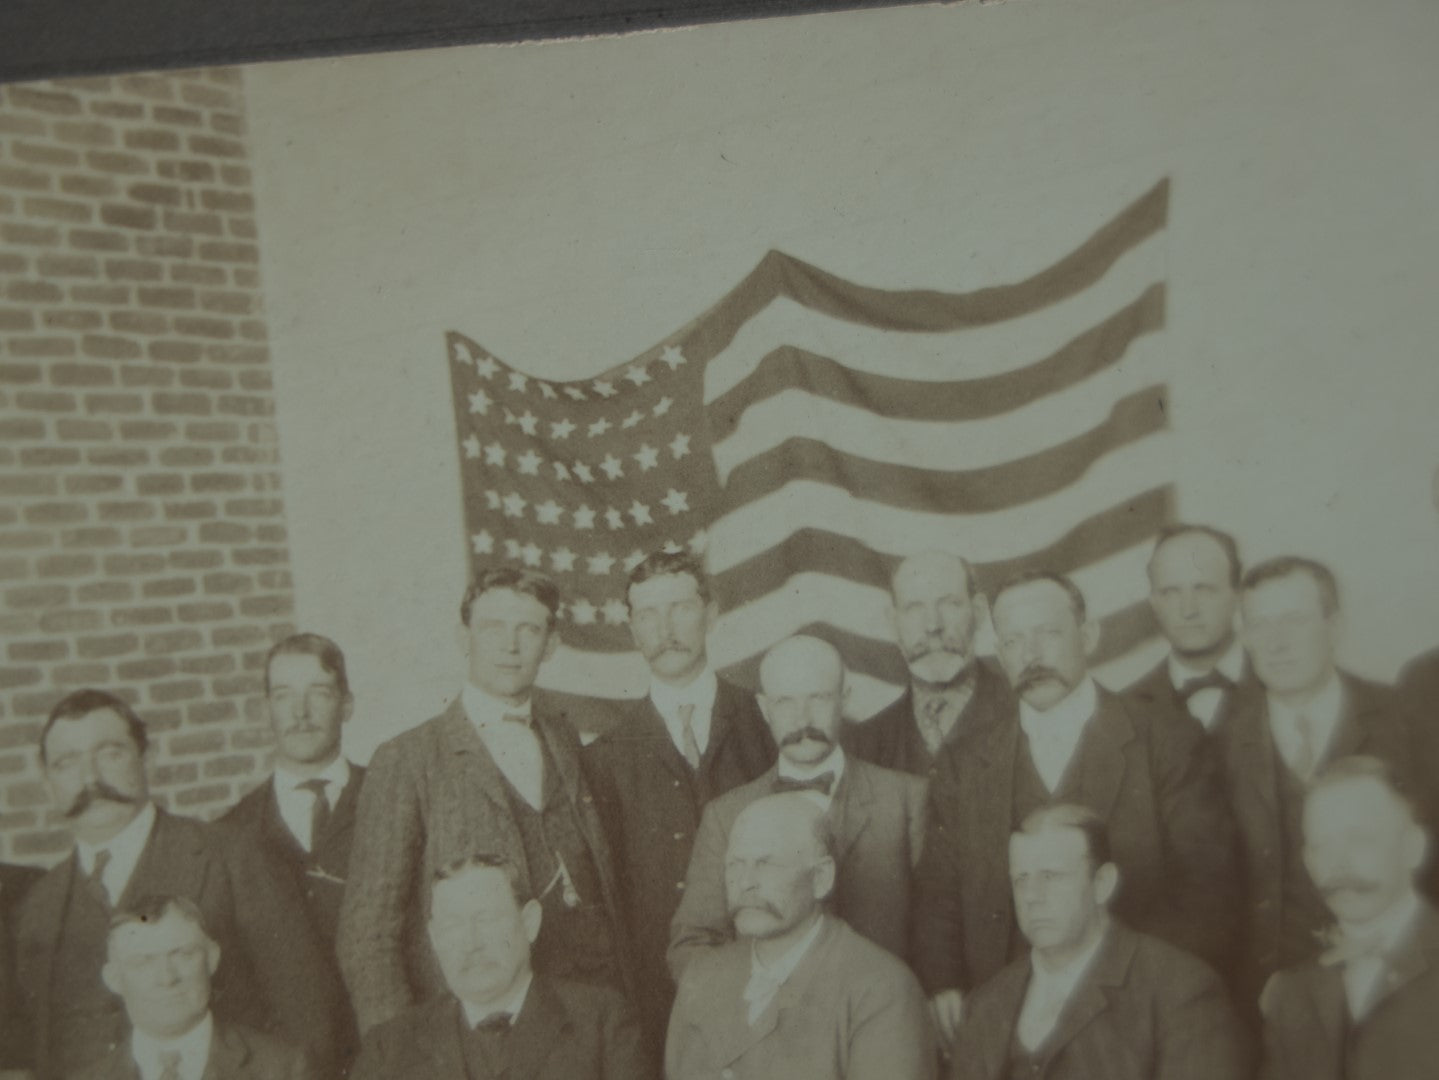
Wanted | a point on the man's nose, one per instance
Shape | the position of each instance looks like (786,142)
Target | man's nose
(1188,605)
(89,768)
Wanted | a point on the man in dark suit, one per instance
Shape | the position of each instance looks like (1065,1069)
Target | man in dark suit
(1366,1008)
(934,612)
(876,815)
(692,738)
(1309,713)
(496,769)
(500,1018)
(1418,690)
(275,976)
(1194,577)
(159,962)
(1093,998)
(799,995)
(15,1050)
(1153,779)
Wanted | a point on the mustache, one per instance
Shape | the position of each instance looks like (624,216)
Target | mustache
(1348,883)
(758,905)
(93,793)
(1036,673)
(809,731)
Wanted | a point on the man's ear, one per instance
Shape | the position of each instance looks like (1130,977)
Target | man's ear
(1106,883)
(462,639)
(823,878)
(530,916)
(552,642)
(212,956)
(1089,635)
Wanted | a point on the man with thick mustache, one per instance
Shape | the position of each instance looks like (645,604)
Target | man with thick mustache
(1152,778)
(876,815)
(1365,1009)
(275,977)
(934,612)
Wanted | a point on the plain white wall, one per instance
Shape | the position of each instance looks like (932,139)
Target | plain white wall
(570,204)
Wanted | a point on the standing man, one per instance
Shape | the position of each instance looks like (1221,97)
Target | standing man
(934,612)
(499,768)
(1093,998)
(15,1051)
(875,815)
(1366,1008)
(1308,714)
(275,977)
(798,995)
(1152,779)
(1194,592)
(691,739)
(500,1018)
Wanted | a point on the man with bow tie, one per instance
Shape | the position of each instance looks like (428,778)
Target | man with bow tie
(876,815)
(798,995)
(1366,1008)
(1194,575)
(1092,999)
(1151,777)
(499,768)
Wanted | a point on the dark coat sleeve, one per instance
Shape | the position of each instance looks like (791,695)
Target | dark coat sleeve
(15,1049)
(624,1055)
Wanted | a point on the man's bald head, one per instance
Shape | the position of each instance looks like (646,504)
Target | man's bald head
(802,696)
(778,865)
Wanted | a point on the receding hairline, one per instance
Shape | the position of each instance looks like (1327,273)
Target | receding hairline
(934,555)
(796,643)
(790,808)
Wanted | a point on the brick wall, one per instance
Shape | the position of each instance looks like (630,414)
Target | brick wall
(142,536)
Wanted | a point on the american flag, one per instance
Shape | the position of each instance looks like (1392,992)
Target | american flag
(806,433)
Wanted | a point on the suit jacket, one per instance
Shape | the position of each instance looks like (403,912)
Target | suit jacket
(1308,1034)
(877,818)
(15,882)
(432,795)
(1371,724)
(891,737)
(272,977)
(236,1053)
(1155,690)
(649,801)
(1154,780)
(849,1011)
(564,1031)
(1419,698)
(1144,1010)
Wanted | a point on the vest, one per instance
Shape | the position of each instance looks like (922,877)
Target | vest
(1302,911)
(87,1021)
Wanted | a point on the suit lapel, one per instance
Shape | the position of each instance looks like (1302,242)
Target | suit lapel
(1108,970)
(1415,955)
(542,1025)
(995,755)
(1325,984)
(849,809)
(663,750)
(342,817)
(1101,754)
(793,992)
(67,875)
(995,1039)
(468,750)
(1256,756)
(274,829)
(228,1055)
(164,857)
(1349,732)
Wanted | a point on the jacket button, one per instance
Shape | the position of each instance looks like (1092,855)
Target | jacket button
(680,885)
(679,836)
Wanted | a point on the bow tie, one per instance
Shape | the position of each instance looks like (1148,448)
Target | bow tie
(1341,949)
(821,783)
(521,718)
(1215,680)
(496,1021)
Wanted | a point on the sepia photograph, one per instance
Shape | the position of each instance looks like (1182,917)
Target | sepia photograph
(888,544)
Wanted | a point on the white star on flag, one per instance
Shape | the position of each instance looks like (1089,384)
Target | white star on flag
(483,543)
(547,391)
(576,394)
(676,502)
(604,388)
(518,381)
(662,406)
(641,513)
(472,447)
(562,429)
(673,357)
(512,550)
(548,513)
(648,457)
(583,612)
(680,446)
(485,367)
(582,472)
(600,564)
(492,499)
(633,559)
(479,402)
(613,518)
(599,427)
(562,472)
(532,553)
(494,454)
(527,423)
(637,374)
(631,420)
(584,518)
(612,467)
(515,505)
(562,560)
(616,614)
(529,463)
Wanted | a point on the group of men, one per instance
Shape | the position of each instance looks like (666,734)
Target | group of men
(1220,873)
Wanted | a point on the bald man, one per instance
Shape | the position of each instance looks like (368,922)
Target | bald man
(935,610)
(875,814)
(799,995)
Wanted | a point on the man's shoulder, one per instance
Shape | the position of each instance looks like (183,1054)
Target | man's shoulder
(1420,676)
(264,1054)
(1154,685)
(249,809)
(886,783)
(727,806)
(853,964)
(1369,697)
(584,1000)
(422,738)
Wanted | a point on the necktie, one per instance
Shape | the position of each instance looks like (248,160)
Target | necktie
(821,783)
(1037,1019)
(1214,680)
(495,1022)
(687,733)
(96,880)
(170,1065)
(930,726)
(319,810)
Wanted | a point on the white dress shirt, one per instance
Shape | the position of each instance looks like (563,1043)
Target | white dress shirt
(1054,734)
(834,763)
(766,979)
(512,1004)
(700,693)
(298,804)
(514,746)
(1322,715)
(1204,704)
(1047,994)
(124,847)
(1370,945)
(193,1048)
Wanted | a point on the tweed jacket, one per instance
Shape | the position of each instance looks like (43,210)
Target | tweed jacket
(236,1053)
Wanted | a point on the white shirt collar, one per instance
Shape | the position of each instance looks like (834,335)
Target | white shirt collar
(780,970)
(1062,982)
(124,847)
(1389,928)
(512,1004)
(1231,666)
(335,775)
(699,692)
(1323,713)
(1068,715)
(486,710)
(193,1048)
(834,763)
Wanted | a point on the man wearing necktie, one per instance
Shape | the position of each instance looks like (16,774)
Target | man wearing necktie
(1194,575)
(1308,713)
(500,1019)
(276,976)
(160,960)
(1092,999)
(935,610)
(1151,777)
(692,738)
(1365,1009)
(798,995)
(876,814)
(498,769)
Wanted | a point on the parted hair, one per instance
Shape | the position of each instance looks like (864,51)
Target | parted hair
(660,563)
(515,579)
(1365,767)
(1284,565)
(1029,577)
(83,702)
(332,660)
(1072,816)
(153,908)
(483,860)
(1226,543)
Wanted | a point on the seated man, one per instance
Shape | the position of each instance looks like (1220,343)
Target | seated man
(1366,1009)
(500,1018)
(159,962)
(799,996)
(1093,999)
